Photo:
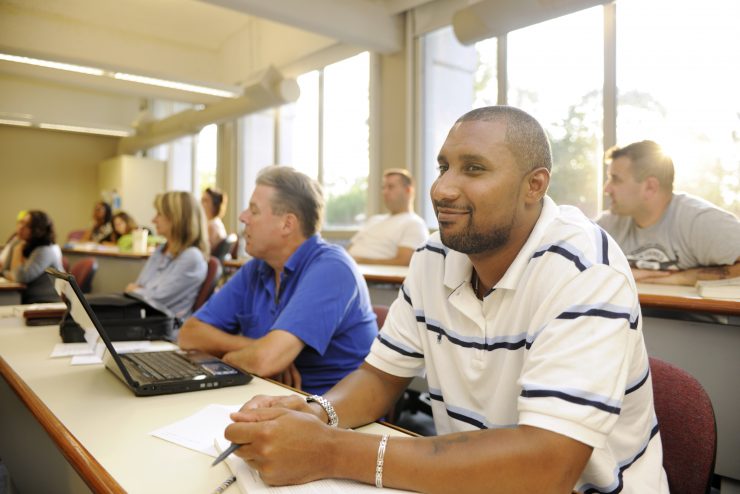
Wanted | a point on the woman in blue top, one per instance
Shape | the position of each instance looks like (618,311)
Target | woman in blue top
(35,252)
(176,270)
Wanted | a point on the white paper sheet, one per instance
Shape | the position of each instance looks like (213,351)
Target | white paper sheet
(197,431)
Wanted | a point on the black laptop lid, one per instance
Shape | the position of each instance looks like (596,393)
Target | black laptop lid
(67,287)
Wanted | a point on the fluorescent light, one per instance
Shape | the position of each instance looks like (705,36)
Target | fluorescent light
(86,130)
(20,123)
(52,65)
(182,86)
(153,81)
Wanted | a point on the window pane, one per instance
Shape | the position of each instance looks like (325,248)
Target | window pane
(678,76)
(346,158)
(449,78)
(556,74)
(299,128)
(206,157)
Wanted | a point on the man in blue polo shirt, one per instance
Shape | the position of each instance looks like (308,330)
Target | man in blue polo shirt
(300,310)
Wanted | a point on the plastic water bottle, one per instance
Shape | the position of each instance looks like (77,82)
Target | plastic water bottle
(115,200)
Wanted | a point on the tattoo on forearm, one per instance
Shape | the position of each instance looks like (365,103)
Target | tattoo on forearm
(442,443)
(721,272)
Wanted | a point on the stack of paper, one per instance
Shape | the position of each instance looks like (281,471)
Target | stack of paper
(727,289)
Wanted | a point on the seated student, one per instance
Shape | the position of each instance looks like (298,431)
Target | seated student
(214,205)
(391,238)
(6,253)
(526,320)
(35,252)
(101,226)
(174,273)
(123,225)
(669,238)
(300,310)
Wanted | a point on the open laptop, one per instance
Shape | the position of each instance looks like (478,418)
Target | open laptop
(148,373)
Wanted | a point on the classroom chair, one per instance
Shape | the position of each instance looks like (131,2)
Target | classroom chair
(209,284)
(84,271)
(688,428)
(224,247)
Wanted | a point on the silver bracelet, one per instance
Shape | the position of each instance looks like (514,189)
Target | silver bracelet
(327,406)
(379,462)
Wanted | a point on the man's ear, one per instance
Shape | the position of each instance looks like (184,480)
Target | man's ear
(651,185)
(290,223)
(537,181)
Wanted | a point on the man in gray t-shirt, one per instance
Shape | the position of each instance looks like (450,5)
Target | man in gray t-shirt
(669,238)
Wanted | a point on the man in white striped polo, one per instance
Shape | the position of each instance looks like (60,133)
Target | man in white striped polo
(525,319)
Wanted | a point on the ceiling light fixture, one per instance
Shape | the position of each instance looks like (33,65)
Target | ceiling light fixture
(19,123)
(182,86)
(86,130)
(123,76)
(52,65)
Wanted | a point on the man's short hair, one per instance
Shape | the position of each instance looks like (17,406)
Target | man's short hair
(647,159)
(525,138)
(295,193)
(406,178)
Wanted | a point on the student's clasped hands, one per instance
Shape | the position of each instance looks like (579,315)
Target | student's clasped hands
(282,439)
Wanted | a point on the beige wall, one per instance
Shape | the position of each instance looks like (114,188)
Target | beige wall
(52,171)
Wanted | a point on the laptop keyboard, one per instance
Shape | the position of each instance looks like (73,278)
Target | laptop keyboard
(164,365)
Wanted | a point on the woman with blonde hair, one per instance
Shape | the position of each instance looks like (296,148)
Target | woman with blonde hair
(176,270)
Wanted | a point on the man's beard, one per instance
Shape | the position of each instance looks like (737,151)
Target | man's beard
(475,242)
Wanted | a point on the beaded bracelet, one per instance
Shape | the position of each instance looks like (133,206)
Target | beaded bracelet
(379,462)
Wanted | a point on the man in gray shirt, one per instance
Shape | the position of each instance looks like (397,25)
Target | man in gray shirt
(669,238)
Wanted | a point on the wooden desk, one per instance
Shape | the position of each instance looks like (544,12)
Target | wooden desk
(115,269)
(79,429)
(10,292)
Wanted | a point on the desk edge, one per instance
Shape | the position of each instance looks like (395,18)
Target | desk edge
(91,472)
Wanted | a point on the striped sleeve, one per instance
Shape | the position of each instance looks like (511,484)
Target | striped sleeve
(575,375)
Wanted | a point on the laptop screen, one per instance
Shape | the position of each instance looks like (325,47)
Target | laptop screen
(66,286)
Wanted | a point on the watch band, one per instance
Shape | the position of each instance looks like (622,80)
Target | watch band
(327,406)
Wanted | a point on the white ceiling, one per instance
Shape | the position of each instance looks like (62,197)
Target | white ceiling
(222,43)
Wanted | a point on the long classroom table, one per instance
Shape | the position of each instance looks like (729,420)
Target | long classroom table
(78,429)
(698,334)
(115,269)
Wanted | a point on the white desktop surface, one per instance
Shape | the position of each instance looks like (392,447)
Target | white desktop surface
(110,422)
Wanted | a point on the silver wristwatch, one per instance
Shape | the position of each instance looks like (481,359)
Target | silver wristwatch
(327,406)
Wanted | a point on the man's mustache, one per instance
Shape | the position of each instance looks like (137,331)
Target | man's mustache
(451,206)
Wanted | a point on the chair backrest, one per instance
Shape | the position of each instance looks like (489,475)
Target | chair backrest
(380,312)
(75,235)
(65,264)
(209,284)
(688,428)
(220,250)
(84,270)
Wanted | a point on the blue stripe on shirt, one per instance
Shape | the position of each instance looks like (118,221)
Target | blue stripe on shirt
(465,415)
(608,311)
(575,396)
(618,484)
(398,346)
(567,251)
(509,342)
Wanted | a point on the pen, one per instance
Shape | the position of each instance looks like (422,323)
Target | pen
(225,485)
(225,453)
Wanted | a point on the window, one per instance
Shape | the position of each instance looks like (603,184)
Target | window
(556,75)
(449,72)
(678,77)
(205,158)
(325,134)
(677,84)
